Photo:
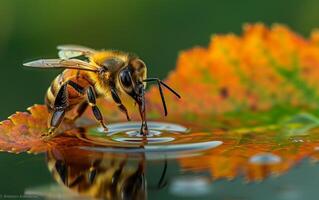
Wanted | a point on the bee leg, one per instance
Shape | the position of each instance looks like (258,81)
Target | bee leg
(96,111)
(144,127)
(118,101)
(60,105)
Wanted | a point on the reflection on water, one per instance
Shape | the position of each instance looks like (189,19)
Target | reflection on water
(265,159)
(190,186)
(99,175)
(189,165)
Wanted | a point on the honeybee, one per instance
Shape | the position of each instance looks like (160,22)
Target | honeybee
(107,73)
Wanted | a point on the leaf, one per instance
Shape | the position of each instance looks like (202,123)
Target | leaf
(257,78)
(22,132)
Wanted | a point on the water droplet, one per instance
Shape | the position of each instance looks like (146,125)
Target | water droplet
(265,159)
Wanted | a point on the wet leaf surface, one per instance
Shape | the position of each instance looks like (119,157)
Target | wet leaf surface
(22,132)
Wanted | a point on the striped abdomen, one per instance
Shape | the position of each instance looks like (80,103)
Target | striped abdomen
(74,97)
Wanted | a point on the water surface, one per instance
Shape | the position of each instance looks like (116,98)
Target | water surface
(173,162)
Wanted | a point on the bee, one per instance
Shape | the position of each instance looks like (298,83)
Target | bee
(111,74)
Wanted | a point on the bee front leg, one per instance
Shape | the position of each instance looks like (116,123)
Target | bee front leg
(96,111)
(118,101)
(144,127)
(60,105)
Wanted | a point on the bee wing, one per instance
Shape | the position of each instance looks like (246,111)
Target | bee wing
(61,63)
(71,51)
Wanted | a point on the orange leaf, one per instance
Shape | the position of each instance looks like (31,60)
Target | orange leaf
(22,132)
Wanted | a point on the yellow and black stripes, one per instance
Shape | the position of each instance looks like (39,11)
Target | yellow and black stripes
(69,89)
(53,90)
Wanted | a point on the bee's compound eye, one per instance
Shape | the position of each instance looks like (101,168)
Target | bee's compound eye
(125,78)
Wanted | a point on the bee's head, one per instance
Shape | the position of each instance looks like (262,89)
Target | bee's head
(131,78)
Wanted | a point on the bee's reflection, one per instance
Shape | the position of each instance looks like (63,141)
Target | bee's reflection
(99,175)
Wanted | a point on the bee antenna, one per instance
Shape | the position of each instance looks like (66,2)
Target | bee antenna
(160,83)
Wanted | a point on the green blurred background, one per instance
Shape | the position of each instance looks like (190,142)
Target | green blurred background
(155,30)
